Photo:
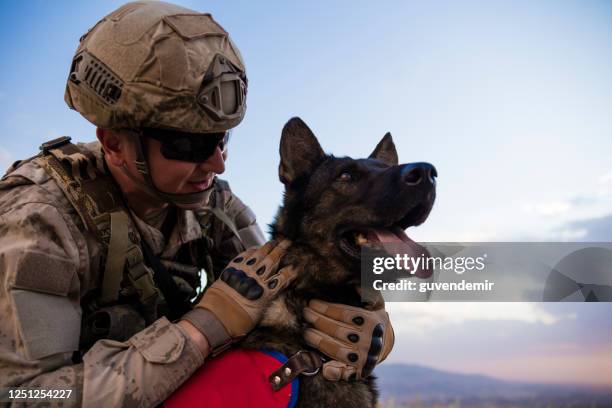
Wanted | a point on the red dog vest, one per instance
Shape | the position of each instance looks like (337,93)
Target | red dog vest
(237,378)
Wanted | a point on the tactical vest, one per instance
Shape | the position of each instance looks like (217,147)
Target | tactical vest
(128,299)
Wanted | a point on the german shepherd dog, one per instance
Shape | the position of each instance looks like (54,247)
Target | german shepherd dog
(332,206)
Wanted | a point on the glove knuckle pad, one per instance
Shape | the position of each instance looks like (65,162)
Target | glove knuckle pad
(232,276)
(254,292)
(242,283)
(272,284)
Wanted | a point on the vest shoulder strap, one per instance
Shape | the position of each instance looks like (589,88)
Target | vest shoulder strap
(98,202)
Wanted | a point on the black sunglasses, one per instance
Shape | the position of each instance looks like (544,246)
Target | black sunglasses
(196,148)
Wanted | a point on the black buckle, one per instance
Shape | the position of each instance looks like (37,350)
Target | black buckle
(54,144)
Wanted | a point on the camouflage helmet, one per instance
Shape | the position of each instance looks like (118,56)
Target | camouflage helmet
(157,65)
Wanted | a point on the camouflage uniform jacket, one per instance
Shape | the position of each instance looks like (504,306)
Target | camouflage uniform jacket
(49,263)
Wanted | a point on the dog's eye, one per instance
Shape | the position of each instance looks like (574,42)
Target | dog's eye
(346,176)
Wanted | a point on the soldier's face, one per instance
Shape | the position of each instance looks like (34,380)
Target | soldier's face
(181,177)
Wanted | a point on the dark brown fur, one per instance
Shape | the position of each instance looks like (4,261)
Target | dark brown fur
(318,209)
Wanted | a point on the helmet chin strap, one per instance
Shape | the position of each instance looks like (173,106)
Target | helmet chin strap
(200,197)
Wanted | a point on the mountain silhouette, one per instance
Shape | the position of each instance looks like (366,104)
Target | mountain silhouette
(409,382)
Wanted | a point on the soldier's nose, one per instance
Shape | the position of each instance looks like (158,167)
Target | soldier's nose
(416,173)
(215,163)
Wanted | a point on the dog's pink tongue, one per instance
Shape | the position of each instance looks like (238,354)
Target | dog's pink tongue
(402,244)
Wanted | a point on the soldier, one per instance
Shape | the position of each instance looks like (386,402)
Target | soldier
(103,245)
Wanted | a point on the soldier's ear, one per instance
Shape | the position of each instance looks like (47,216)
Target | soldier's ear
(114,146)
(385,151)
(300,151)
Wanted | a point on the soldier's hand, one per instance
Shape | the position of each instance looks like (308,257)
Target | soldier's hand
(356,339)
(233,305)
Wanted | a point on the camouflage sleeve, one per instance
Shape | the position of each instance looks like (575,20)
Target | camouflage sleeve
(230,240)
(44,262)
(40,312)
(142,372)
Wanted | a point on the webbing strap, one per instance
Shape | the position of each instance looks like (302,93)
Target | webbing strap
(178,304)
(139,276)
(223,217)
(97,201)
(73,191)
(80,164)
(115,261)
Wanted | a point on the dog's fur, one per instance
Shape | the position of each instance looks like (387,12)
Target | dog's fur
(320,209)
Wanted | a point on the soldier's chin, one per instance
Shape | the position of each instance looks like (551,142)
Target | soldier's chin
(190,199)
(190,206)
(196,204)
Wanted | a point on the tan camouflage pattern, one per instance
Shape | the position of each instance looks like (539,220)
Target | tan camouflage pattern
(160,52)
(49,262)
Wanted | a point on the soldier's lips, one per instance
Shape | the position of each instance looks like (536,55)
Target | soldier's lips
(200,185)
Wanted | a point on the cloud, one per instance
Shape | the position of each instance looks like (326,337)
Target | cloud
(421,317)
(549,209)
(605,185)
(566,234)
(596,229)
(473,236)
(600,193)
(584,217)
(606,178)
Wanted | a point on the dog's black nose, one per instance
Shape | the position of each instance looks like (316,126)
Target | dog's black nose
(416,173)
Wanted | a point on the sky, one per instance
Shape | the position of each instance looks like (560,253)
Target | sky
(510,101)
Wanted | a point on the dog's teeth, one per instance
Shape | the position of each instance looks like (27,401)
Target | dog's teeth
(360,239)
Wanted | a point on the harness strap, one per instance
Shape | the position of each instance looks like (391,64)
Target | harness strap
(213,209)
(178,305)
(139,276)
(81,165)
(97,200)
(73,191)
(113,271)
(218,212)
(303,362)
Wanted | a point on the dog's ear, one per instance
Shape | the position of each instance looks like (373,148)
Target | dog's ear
(300,151)
(385,151)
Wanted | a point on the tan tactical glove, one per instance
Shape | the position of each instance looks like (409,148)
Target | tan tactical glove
(356,339)
(234,303)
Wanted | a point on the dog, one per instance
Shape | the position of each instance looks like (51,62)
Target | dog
(332,206)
